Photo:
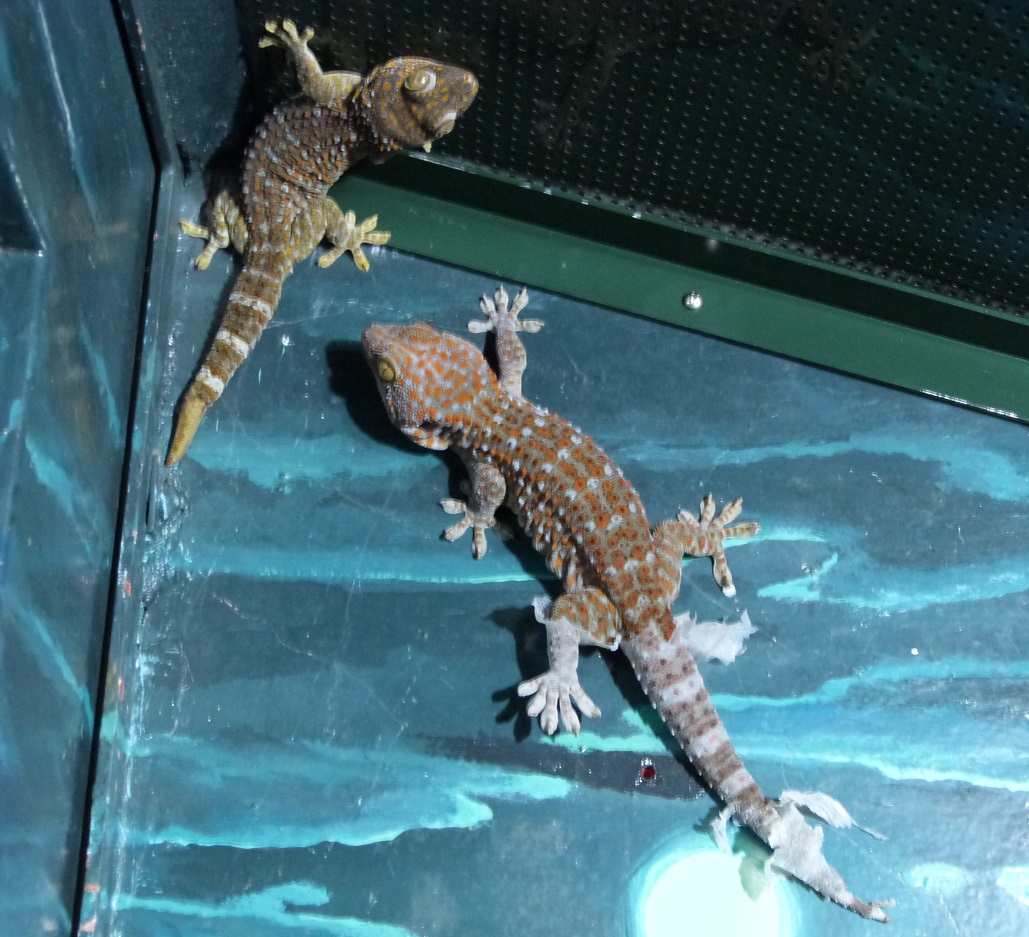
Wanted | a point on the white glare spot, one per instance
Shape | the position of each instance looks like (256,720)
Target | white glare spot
(708,883)
(914,651)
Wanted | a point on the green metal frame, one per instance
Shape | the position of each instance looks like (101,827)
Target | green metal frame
(749,294)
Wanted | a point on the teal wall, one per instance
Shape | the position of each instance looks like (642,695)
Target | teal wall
(76,189)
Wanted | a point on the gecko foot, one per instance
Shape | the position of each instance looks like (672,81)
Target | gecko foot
(499,315)
(478,524)
(226,227)
(707,536)
(347,235)
(213,245)
(286,35)
(552,695)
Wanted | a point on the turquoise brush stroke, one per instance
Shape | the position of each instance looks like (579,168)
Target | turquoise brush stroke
(896,675)
(71,136)
(834,726)
(859,585)
(55,479)
(38,638)
(73,500)
(274,461)
(303,793)
(965,468)
(1015,881)
(14,415)
(350,563)
(863,584)
(105,393)
(262,912)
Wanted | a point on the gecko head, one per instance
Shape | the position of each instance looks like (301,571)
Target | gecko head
(428,380)
(412,101)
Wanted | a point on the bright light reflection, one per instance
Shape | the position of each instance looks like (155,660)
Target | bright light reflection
(702,894)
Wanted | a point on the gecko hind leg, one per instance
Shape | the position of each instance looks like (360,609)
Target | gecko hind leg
(226,227)
(707,536)
(586,617)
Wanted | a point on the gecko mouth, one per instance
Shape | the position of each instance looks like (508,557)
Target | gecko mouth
(444,125)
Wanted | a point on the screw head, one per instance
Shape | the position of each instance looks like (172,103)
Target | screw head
(692,301)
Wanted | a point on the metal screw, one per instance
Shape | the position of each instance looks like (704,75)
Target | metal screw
(692,301)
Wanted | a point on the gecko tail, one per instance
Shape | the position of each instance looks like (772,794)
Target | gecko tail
(190,414)
(797,846)
(668,674)
(252,303)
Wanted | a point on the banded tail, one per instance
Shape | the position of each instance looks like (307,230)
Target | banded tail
(668,673)
(252,303)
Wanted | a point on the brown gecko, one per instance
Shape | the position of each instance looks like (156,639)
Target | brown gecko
(297,153)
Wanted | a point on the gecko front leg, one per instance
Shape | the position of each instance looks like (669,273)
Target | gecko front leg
(502,320)
(487,491)
(328,88)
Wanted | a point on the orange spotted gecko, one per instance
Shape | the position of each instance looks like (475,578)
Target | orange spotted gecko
(297,153)
(619,575)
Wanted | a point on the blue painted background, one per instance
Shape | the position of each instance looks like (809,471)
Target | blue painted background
(314,729)
(76,189)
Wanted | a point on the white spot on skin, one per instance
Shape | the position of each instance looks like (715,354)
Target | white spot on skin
(251,302)
(215,384)
(236,343)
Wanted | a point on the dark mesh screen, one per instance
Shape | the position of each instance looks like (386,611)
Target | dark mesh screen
(890,138)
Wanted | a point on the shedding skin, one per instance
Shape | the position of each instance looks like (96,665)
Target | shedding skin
(282,210)
(619,575)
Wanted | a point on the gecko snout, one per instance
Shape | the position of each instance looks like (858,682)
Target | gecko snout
(445,124)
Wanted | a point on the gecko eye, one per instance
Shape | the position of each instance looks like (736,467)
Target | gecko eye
(384,368)
(421,81)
